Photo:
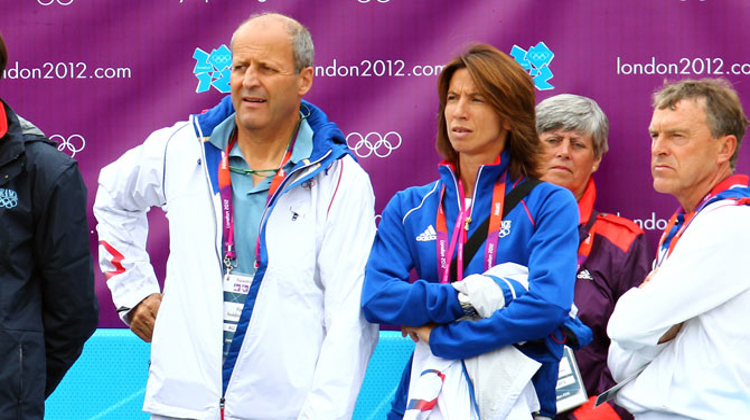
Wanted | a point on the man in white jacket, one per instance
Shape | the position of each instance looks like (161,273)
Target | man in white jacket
(271,222)
(681,334)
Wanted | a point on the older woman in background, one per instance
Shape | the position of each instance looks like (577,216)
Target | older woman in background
(613,254)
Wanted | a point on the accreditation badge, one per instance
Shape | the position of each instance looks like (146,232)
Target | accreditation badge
(570,389)
(236,287)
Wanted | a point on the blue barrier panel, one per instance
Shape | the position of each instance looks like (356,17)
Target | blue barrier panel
(383,375)
(108,382)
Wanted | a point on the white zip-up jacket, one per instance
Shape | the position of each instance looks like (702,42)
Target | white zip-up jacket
(302,345)
(704,372)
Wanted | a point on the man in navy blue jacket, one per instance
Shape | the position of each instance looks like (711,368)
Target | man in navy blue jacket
(48,305)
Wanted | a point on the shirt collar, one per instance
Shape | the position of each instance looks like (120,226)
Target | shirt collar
(732,181)
(302,147)
(586,203)
(729,182)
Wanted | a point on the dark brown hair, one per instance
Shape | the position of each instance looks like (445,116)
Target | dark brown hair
(510,91)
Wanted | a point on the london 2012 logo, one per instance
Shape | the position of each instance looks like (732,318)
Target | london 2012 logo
(213,69)
(536,61)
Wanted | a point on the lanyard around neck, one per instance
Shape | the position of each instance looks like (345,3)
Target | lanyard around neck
(225,192)
(670,237)
(458,240)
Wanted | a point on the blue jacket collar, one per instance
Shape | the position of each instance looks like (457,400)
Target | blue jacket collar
(486,177)
(733,187)
(326,135)
(485,182)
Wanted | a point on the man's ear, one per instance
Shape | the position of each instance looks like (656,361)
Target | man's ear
(726,149)
(306,80)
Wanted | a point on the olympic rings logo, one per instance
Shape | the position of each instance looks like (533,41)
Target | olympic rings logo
(223,59)
(8,198)
(60,2)
(374,143)
(71,145)
(540,56)
(504,229)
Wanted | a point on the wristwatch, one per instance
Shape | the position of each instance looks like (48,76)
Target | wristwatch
(469,310)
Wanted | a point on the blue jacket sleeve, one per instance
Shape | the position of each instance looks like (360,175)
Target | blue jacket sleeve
(533,316)
(387,295)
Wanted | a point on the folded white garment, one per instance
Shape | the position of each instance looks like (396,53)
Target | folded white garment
(501,379)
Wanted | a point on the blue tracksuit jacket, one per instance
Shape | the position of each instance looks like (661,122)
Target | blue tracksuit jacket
(542,234)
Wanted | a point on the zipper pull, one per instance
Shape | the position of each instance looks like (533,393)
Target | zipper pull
(221,407)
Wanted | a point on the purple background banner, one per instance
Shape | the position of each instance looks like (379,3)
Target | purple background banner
(99,75)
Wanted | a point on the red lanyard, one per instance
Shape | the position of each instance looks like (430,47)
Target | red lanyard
(459,236)
(662,251)
(225,191)
(458,239)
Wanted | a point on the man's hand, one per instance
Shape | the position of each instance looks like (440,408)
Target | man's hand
(417,333)
(143,317)
(671,333)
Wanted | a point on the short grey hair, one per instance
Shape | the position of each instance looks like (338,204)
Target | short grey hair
(303,49)
(574,113)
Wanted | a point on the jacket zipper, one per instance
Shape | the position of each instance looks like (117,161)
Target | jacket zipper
(215,225)
(210,196)
(20,380)
(474,193)
(222,400)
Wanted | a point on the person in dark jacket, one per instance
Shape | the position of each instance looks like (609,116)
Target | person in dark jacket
(613,254)
(48,305)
